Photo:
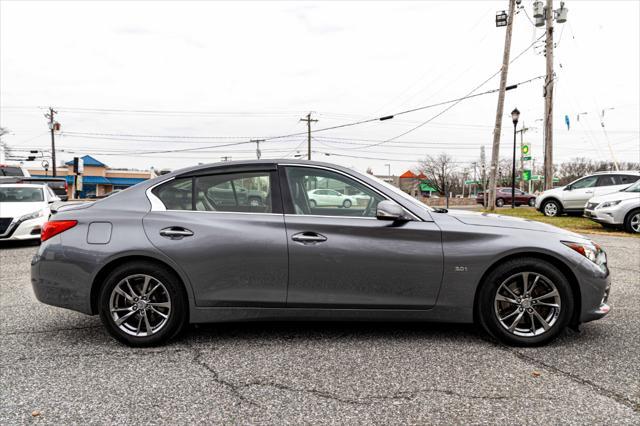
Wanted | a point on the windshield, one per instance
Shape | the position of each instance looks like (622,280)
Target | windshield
(634,188)
(400,193)
(16,194)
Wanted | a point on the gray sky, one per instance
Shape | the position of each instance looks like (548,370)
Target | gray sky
(252,69)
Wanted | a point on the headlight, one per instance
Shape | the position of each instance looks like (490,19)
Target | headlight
(33,215)
(609,204)
(591,251)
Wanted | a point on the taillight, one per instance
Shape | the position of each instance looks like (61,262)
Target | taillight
(66,185)
(54,227)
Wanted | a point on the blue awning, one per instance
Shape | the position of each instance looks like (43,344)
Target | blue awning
(89,180)
(125,181)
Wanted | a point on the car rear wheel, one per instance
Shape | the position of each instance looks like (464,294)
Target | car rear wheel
(499,202)
(552,208)
(312,204)
(632,222)
(532,202)
(346,204)
(142,304)
(525,302)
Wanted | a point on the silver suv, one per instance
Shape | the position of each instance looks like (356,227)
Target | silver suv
(573,197)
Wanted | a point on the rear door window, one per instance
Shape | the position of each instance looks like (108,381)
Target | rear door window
(607,180)
(234,192)
(176,194)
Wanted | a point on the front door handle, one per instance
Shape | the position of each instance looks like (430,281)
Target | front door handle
(175,232)
(309,237)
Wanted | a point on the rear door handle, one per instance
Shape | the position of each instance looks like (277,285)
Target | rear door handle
(309,237)
(175,232)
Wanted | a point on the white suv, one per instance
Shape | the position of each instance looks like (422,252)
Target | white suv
(618,209)
(573,197)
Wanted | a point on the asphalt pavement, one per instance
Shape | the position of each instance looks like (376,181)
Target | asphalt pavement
(60,367)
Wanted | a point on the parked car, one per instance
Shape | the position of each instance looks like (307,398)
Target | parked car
(573,197)
(618,209)
(503,197)
(330,198)
(7,170)
(24,209)
(59,186)
(175,256)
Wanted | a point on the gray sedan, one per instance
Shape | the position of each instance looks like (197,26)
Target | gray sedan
(173,251)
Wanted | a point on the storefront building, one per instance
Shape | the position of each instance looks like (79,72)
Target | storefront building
(97,179)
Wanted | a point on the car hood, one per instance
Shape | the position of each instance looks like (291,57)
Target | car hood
(614,196)
(20,209)
(500,221)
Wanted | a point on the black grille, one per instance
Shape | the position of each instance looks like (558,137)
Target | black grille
(4,224)
(591,206)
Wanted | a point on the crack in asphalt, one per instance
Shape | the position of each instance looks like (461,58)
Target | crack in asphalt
(621,399)
(236,389)
(55,330)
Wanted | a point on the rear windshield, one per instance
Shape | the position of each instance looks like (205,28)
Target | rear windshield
(11,171)
(12,194)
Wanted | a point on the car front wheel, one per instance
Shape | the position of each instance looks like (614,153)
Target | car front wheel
(551,208)
(525,302)
(142,304)
(632,222)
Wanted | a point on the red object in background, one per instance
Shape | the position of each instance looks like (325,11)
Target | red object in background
(504,194)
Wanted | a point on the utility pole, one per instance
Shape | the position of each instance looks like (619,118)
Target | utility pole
(308,120)
(52,127)
(548,99)
(483,160)
(495,151)
(258,152)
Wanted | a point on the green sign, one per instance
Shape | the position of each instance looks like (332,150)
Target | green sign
(526,152)
(540,177)
(526,175)
(472,182)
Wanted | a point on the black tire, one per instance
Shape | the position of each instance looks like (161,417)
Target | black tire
(486,305)
(631,221)
(551,208)
(499,202)
(177,316)
(312,204)
(532,202)
(346,204)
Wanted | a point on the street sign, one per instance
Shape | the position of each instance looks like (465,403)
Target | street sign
(526,175)
(526,152)
(471,182)
(537,178)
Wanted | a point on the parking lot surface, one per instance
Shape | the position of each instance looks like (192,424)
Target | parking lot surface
(58,366)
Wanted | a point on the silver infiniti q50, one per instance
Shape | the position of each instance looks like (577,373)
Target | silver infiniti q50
(241,241)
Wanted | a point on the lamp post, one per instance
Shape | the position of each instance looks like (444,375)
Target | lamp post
(515,115)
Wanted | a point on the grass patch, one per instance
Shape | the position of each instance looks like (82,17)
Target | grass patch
(572,223)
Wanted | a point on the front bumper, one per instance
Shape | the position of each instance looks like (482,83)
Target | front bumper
(607,216)
(26,230)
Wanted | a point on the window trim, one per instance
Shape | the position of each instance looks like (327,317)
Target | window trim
(277,207)
(287,201)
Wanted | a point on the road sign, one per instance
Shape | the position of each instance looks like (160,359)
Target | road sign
(526,152)
(526,175)
(471,182)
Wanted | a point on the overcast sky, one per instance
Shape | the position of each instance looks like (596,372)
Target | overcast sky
(253,69)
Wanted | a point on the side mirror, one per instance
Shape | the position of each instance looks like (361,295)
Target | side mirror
(568,188)
(388,210)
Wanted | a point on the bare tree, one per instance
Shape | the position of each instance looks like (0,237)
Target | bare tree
(441,172)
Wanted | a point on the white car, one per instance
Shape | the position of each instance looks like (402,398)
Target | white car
(330,198)
(573,197)
(23,210)
(621,208)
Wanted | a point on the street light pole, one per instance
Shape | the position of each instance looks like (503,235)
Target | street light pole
(515,115)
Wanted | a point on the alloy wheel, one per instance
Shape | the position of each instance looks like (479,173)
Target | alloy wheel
(635,223)
(527,304)
(550,209)
(140,305)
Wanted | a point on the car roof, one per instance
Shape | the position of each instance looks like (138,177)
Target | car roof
(21,185)
(619,172)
